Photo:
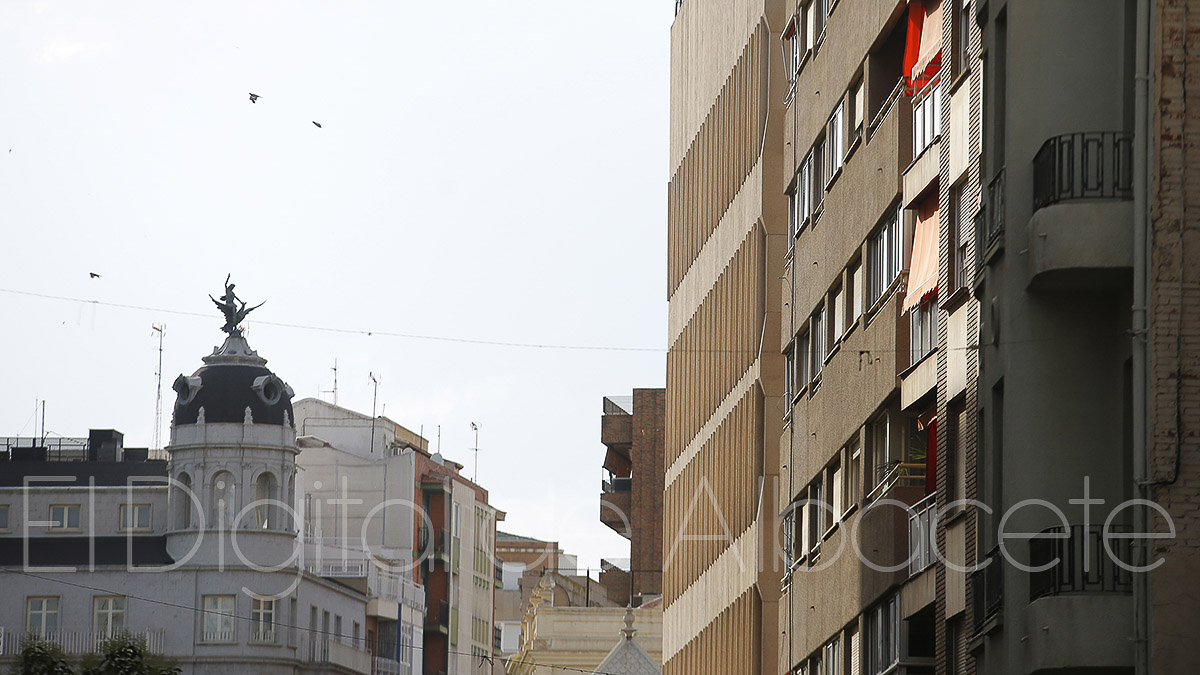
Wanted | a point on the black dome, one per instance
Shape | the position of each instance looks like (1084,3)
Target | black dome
(233,379)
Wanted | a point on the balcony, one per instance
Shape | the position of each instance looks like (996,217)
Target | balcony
(1083,602)
(437,618)
(616,430)
(1078,563)
(385,666)
(332,652)
(78,642)
(1082,212)
(616,503)
(1094,165)
(989,223)
(987,590)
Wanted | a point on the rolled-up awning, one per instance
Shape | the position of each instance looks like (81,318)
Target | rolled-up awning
(923,266)
(923,43)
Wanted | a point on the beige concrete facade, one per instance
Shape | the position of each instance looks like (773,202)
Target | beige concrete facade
(723,378)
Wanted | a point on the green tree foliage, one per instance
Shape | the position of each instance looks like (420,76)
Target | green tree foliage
(126,654)
(39,657)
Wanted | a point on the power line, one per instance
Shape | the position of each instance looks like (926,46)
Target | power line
(240,617)
(344,331)
(501,343)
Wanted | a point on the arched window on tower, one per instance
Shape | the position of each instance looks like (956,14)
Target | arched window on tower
(183,499)
(266,488)
(224,502)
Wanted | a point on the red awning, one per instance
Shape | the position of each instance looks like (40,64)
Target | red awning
(923,43)
(923,266)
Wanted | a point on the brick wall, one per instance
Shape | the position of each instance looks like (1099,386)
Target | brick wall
(1175,325)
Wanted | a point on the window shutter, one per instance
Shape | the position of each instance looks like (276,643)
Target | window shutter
(855,668)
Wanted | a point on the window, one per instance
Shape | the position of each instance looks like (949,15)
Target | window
(64,517)
(956,487)
(262,620)
(961,224)
(802,362)
(218,618)
(789,538)
(880,450)
(265,490)
(108,614)
(810,25)
(135,516)
(962,36)
(837,325)
(835,486)
(833,661)
(804,192)
(857,113)
(954,633)
(854,294)
(793,219)
(817,331)
(792,50)
(4,517)
(886,257)
(816,517)
(789,378)
(927,118)
(42,616)
(854,475)
(183,509)
(224,502)
(922,332)
(883,636)
(819,164)
(820,10)
(836,134)
(337,627)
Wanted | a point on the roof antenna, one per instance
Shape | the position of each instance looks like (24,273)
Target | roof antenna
(161,329)
(475,428)
(374,399)
(334,390)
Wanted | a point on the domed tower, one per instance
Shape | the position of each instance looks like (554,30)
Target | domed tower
(232,456)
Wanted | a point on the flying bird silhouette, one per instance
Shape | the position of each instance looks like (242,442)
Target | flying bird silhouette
(253,98)
(317,123)
(93,275)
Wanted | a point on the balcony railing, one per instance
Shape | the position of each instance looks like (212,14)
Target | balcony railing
(1083,564)
(328,650)
(386,666)
(987,588)
(1090,165)
(617,485)
(989,222)
(77,642)
(921,535)
(437,616)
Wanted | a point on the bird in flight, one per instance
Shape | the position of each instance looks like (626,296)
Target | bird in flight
(93,275)
(317,123)
(253,98)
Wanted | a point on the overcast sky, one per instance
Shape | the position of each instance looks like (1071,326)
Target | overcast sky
(488,171)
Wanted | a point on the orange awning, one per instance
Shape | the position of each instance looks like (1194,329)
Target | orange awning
(923,266)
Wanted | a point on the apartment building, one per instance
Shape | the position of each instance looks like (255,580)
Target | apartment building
(631,502)
(356,488)
(380,490)
(193,554)
(725,245)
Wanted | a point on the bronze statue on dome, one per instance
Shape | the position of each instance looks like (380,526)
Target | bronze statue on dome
(229,306)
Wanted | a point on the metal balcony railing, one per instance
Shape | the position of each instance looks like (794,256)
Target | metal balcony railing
(1079,562)
(921,534)
(987,589)
(1087,165)
(617,485)
(989,222)
(437,614)
(77,642)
